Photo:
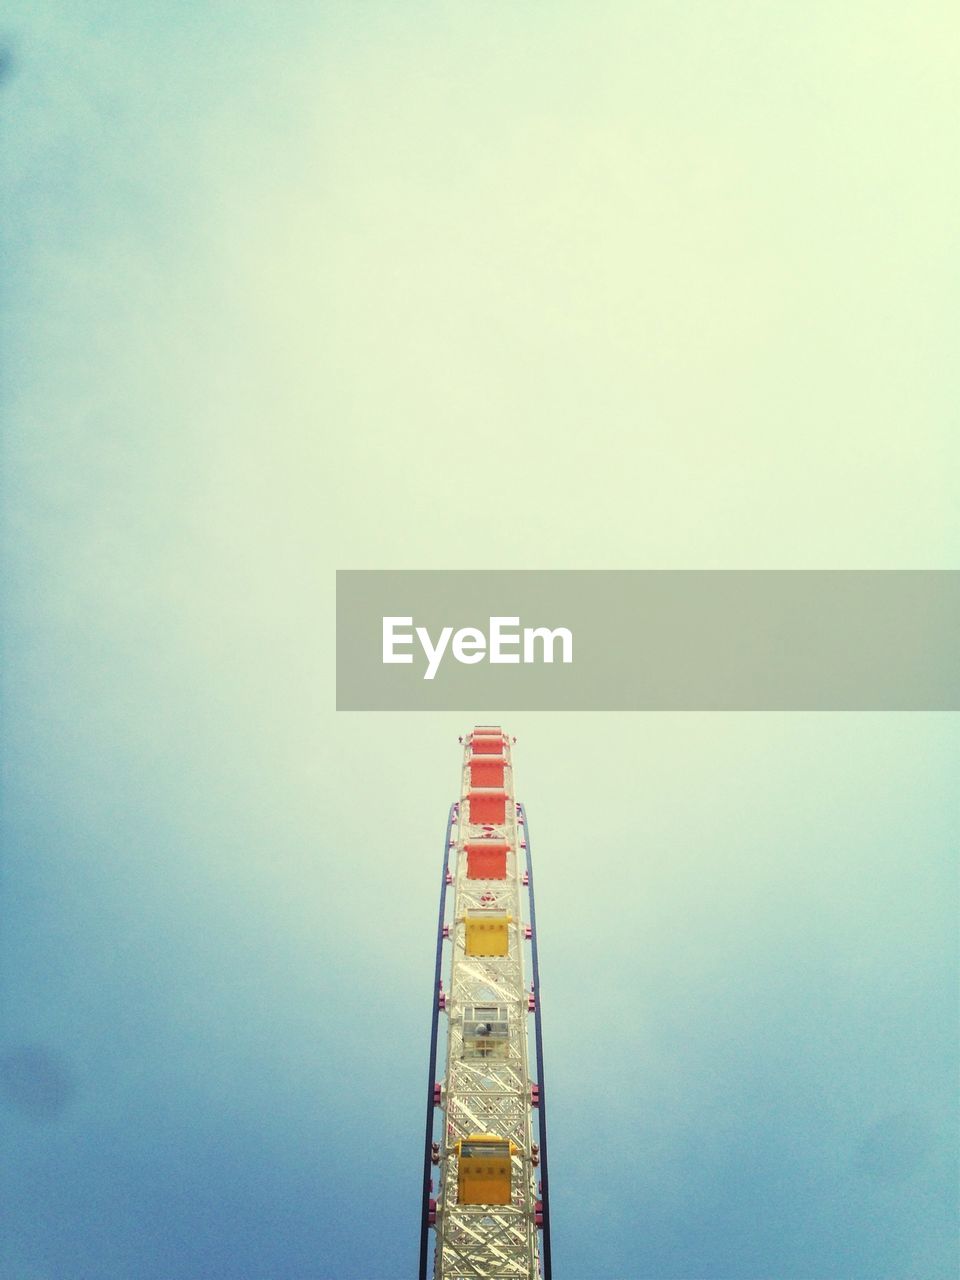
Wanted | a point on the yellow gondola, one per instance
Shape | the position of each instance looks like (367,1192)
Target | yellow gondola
(486,934)
(483,1169)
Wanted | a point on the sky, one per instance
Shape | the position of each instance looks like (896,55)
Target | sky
(291,289)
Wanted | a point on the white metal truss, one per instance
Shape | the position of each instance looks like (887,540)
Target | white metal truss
(487,1095)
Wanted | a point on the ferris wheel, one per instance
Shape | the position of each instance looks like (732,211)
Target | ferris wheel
(485,1188)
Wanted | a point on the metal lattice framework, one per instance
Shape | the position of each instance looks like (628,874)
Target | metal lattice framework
(487,1088)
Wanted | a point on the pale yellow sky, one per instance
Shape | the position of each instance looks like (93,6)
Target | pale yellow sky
(680,299)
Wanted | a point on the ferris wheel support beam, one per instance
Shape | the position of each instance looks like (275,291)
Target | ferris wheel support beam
(538,1037)
(434,1030)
